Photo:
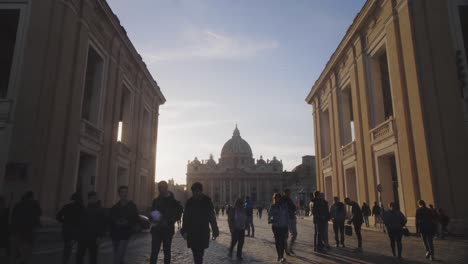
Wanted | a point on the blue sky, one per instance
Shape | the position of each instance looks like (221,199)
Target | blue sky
(222,62)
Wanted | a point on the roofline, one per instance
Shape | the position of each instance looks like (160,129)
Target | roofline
(351,31)
(136,56)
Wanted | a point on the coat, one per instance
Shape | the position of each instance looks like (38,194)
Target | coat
(394,220)
(278,215)
(236,219)
(92,223)
(338,212)
(198,216)
(123,220)
(425,221)
(171,211)
(69,216)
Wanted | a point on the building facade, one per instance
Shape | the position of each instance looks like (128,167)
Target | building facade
(237,174)
(390,108)
(78,107)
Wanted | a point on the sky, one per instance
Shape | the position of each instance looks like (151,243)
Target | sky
(225,62)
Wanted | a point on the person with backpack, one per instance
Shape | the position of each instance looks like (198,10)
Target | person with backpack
(236,220)
(92,228)
(338,217)
(165,211)
(199,215)
(356,220)
(279,220)
(394,221)
(25,219)
(425,226)
(123,222)
(69,217)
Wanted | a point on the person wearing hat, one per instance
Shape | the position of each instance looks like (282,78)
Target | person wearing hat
(69,216)
(165,211)
(199,215)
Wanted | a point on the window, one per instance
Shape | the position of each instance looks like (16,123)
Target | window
(92,89)
(380,90)
(9,19)
(385,82)
(123,134)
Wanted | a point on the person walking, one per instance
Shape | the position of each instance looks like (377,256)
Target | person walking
(366,212)
(91,229)
(223,208)
(5,226)
(279,220)
(326,213)
(249,212)
(236,219)
(260,212)
(165,211)
(292,221)
(69,217)
(444,220)
(123,222)
(199,215)
(338,217)
(319,214)
(425,226)
(25,219)
(356,220)
(394,221)
(217,209)
(377,214)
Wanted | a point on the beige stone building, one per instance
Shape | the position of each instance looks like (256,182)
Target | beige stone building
(391,108)
(78,106)
(237,174)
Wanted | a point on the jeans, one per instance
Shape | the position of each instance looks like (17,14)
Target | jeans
(338,226)
(198,255)
(83,245)
(366,220)
(120,247)
(324,229)
(395,237)
(318,236)
(249,225)
(292,228)
(237,237)
(357,230)
(428,239)
(158,238)
(280,233)
(67,249)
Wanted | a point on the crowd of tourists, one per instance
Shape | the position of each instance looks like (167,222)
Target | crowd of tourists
(87,225)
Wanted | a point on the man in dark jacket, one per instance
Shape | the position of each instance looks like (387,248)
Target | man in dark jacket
(319,212)
(92,227)
(199,215)
(357,221)
(338,216)
(123,222)
(425,225)
(69,216)
(292,226)
(165,211)
(249,213)
(25,219)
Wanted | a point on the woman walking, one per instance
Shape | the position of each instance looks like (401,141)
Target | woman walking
(425,225)
(236,220)
(394,220)
(278,218)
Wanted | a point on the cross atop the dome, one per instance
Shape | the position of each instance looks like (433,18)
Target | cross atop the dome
(236,132)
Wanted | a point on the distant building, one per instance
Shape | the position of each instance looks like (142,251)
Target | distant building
(78,107)
(237,174)
(301,180)
(390,108)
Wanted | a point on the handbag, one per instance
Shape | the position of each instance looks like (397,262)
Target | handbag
(348,230)
(406,232)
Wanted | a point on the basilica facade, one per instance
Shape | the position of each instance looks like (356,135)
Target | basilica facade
(237,174)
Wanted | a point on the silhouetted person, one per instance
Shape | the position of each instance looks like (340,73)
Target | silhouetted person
(260,212)
(338,217)
(223,208)
(356,220)
(394,220)
(320,219)
(165,211)
(279,220)
(5,225)
(366,212)
(25,219)
(217,209)
(377,213)
(199,215)
(436,221)
(69,217)
(236,220)
(292,223)
(123,222)
(249,213)
(444,220)
(92,227)
(425,225)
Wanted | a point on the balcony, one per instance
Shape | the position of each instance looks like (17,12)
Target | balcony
(348,150)
(326,162)
(90,131)
(382,131)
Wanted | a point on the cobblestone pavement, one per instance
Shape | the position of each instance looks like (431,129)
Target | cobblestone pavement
(261,249)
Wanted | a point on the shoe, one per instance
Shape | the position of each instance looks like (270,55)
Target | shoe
(431,258)
(292,253)
(428,254)
(288,253)
(283,260)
